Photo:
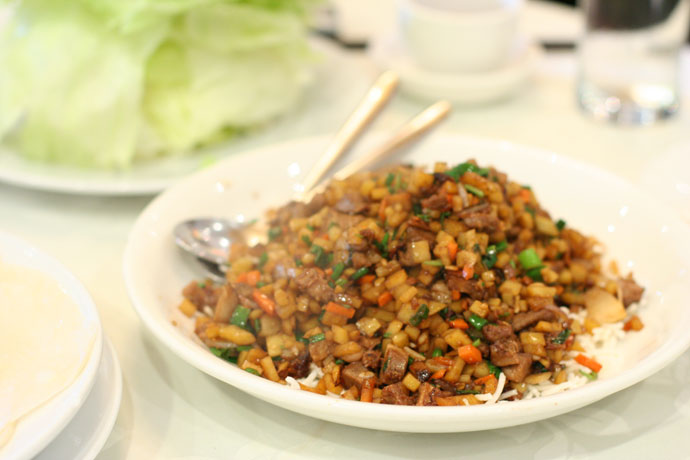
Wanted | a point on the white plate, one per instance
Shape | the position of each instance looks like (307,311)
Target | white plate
(86,434)
(641,234)
(38,428)
(460,88)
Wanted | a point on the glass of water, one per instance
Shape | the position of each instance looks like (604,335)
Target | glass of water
(629,58)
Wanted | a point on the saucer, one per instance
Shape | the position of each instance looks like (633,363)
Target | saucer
(85,435)
(389,52)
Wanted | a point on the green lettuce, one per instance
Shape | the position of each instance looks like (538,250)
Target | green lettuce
(104,83)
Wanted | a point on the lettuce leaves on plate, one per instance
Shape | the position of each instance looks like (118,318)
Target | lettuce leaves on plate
(103,83)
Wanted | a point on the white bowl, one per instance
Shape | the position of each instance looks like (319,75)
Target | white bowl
(35,430)
(639,233)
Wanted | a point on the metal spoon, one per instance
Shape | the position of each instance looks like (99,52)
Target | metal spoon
(209,239)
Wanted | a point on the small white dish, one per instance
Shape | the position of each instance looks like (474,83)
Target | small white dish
(88,431)
(463,88)
(36,429)
(639,233)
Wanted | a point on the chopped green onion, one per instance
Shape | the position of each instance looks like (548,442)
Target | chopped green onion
(261,284)
(436,353)
(359,273)
(317,338)
(529,259)
(341,282)
(474,190)
(493,369)
(560,224)
(244,347)
(337,270)
(477,322)
(489,260)
(425,217)
(477,248)
(385,364)
(332,224)
(444,216)
(323,312)
(321,259)
(387,335)
(228,354)
(389,179)
(421,314)
(201,284)
(262,260)
(502,246)
(306,240)
(535,273)
(512,263)
(462,168)
(274,233)
(310,227)
(477,342)
(239,316)
(527,187)
(434,263)
(251,370)
(339,361)
(257,325)
(331,284)
(530,210)
(410,360)
(590,375)
(416,208)
(298,262)
(467,392)
(562,337)
(538,367)
(299,336)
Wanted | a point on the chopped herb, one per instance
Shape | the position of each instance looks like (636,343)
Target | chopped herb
(436,353)
(474,190)
(444,216)
(538,367)
(535,273)
(477,248)
(337,270)
(341,282)
(530,210)
(331,284)
(339,361)
(306,239)
(359,273)
(387,335)
(529,259)
(239,316)
(317,338)
(590,375)
(444,313)
(262,260)
(260,284)
(310,227)
(502,246)
(512,263)
(274,233)
(385,364)
(421,314)
(228,354)
(331,225)
(489,260)
(416,208)
(244,347)
(251,370)
(527,187)
(389,179)
(323,312)
(425,217)
(299,336)
(560,224)
(462,168)
(383,245)
(410,360)
(477,322)
(298,262)
(493,369)
(562,337)
(201,285)
(433,263)
(505,314)
(467,392)
(257,325)
(321,260)
(276,358)
(477,342)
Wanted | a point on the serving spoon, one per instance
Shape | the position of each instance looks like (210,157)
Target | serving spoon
(209,239)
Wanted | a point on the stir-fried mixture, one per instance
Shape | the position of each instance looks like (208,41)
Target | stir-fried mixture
(407,287)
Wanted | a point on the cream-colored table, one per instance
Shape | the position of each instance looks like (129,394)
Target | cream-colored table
(171,410)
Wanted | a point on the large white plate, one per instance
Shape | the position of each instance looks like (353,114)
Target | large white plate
(641,234)
(86,434)
(38,428)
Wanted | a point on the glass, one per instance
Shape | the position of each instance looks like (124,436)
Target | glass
(629,58)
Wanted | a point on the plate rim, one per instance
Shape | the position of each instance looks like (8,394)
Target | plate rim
(265,390)
(92,364)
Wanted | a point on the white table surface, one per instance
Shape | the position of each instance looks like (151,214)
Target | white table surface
(171,410)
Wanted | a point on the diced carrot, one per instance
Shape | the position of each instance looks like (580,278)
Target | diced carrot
(588,362)
(366,279)
(470,354)
(452,250)
(337,309)
(384,298)
(559,289)
(328,271)
(525,194)
(633,324)
(250,278)
(449,199)
(266,303)
(326,237)
(438,374)
(367,390)
(444,361)
(459,323)
(468,271)
(455,295)
(382,208)
(485,379)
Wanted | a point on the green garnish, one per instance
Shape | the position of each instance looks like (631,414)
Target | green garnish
(201,284)
(436,353)
(274,233)
(530,210)
(434,263)
(339,361)
(306,240)
(251,370)
(322,258)
(244,347)
(467,392)
(387,335)
(317,338)
(590,375)
(562,337)
(389,179)
(560,224)
(474,190)
(535,273)
(421,314)
(529,259)
(527,187)
(310,227)
(228,354)
(337,270)
(477,342)
(257,325)
(299,336)
(359,273)
(493,369)
(239,316)
(457,172)
(502,246)
(444,216)
(262,260)
(298,262)
(425,217)
(489,260)
(477,322)
(260,284)
(341,282)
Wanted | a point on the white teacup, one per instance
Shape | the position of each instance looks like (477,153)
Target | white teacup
(459,35)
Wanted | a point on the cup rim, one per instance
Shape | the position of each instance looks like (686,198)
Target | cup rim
(423,11)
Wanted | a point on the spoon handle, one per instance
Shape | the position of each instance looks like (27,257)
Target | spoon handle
(410,131)
(373,102)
